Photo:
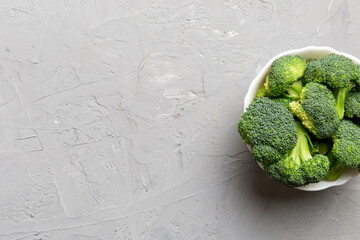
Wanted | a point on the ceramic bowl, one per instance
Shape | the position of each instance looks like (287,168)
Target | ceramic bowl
(311,52)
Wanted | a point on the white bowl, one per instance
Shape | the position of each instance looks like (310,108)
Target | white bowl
(310,52)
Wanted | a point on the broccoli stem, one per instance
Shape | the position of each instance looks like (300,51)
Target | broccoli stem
(340,95)
(324,147)
(335,172)
(294,91)
(305,153)
(336,169)
(295,153)
(301,152)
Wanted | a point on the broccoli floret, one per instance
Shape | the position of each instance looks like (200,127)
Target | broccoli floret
(283,101)
(316,168)
(314,72)
(265,154)
(268,123)
(317,110)
(346,149)
(284,75)
(336,71)
(352,104)
(339,71)
(299,167)
(357,75)
(286,171)
(261,93)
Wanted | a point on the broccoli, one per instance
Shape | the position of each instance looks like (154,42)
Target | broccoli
(295,124)
(352,104)
(340,96)
(313,72)
(314,146)
(261,92)
(284,75)
(336,169)
(336,71)
(265,154)
(357,76)
(339,70)
(299,167)
(346,149)
(283,101)
(286,171)
(322,147)
(268,125)
(317,110)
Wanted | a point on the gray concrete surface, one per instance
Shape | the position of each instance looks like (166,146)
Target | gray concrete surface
(118,120)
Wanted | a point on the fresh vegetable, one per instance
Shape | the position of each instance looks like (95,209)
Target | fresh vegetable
(346,149)
(352,105)
(336,169)
(268,126)
(317,110)
(283,79)
(283,101)
(336,71)
(295,124)
(261,93)
(299,167)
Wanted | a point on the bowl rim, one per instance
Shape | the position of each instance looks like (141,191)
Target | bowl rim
(258,81)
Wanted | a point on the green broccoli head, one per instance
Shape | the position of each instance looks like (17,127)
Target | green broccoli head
(348,130)
(339,71)
(352,104)
(357,75)
(268,123)
(346,148)
(314,72)
(317,110)
(316,168)
(284,72)
(299,167)
(261,93)
(286,171)
(283,101)
(336,71)
(265,154)
(347,153)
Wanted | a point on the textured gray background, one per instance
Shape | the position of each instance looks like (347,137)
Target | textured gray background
(118,119)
